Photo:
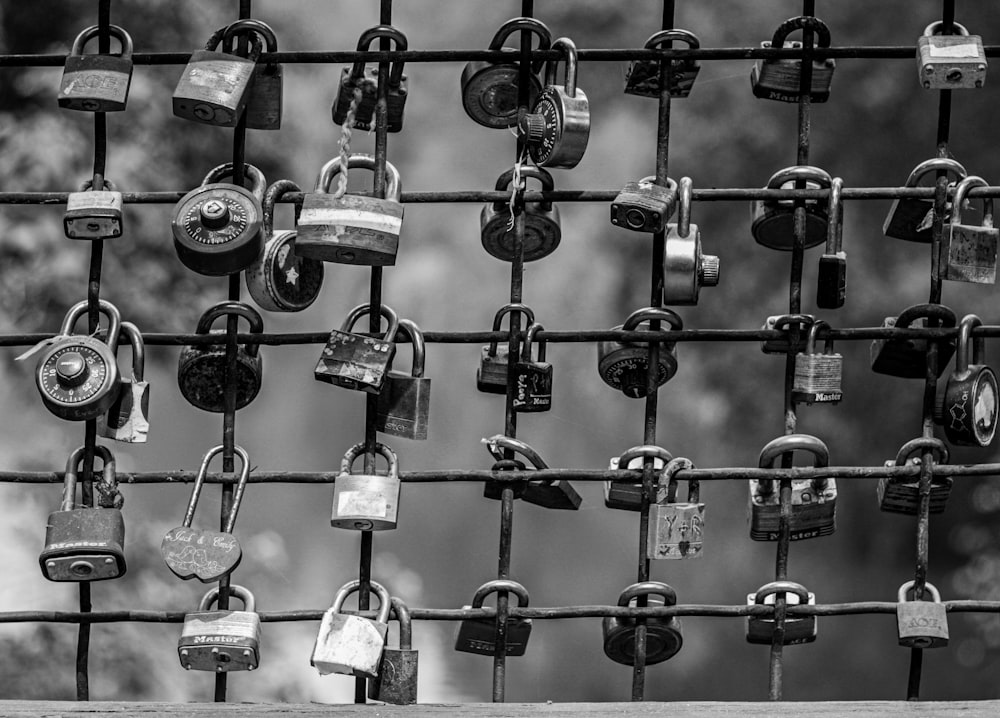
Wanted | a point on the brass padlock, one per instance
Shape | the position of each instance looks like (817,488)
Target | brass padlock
(217,226)
(201,553)
(969,252)
(970,397)
(221,640)
(625,365)
(902,495)
(685,269)
(490,87)
(357,361)
(542,226)
(789,324)
(491,376)
(798,629)
(911,218)
(202,368)
(479,635)
(628,495)
(349,644)
(907,358)
(773,221)
(644,206)
(128,417)
(396,682)
(780,78)
(676,528)
(366,78)
(366,502)
(94,214)
(404,403)
(548,493)
(264,97)
(663,635)
(557,128)
(643,76)
(85,543)
(532,376)
(351,229)
(215,86)
(97,83)
(831,279)
(950,62)
(818,376)
(921,624)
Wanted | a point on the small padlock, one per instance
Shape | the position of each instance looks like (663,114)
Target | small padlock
(201,553)
(685,269)
(396,682)
(921,624)
(676,528)
(644,206)
(490,87)
(349,644)
(532,376)
(491,376)
(902,495)
(217,226)
(950,62)
(788,323)
(542,226)
(813,501)
(128,418)
(798,629)
(405,400)
(357,361)
(663,635)
(831,279)
(970,397)
(548,493)
(818,376)
(366,502)
(215,86)
(202,368)
(86,543)
(367,79)
(907,358)
(779,78)
(221,640)
(773,221)
(911,218)
(969,252)
(77,375)
(628,495)
(97,83)
(94,214)
(479,635)
(643,76)
(264,98)
(351,229)
(557,128)
(625,365)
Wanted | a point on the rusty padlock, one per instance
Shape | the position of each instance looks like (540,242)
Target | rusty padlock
(644,206)
(902,495)
(780,78)
(643,76)
(366,78)
(969,251)
(357,361)
(396,682)
(789,324)
(97,83)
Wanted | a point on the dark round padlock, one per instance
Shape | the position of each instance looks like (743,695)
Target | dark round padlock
(217,226)
(663,635)
(970,396)
(907,358)
(542,228)
(625,365)
(643,76)
(773,221)
(201,369)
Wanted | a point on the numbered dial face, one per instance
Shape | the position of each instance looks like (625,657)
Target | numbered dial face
(216,229)
(545,128)
(216,218)
(76,380)
(558,128)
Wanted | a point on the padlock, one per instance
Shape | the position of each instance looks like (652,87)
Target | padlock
(628,495)
(911,218)
(367,79)
(788,323)
(907,358)
(676,528)
(813,501)
(351,229)
(201,553)
(818,376)
(969,252)
(128,418)
(396,682)
(366,502)
(404,403)
(542,226)
(970,396)
(349,644)
(86,543)
(264,99)
(532,376)
(625,365)
(643,76)
(831,279)
(950,62)
(663,635)
(97,83)
(779,78)
(215,86)
(479,635)
(357,361)
(902,495)
(490,87)
(548,493)
(202,368)
(921,624)
(491,377)
(77,374)
(798,629)
(773,221)
(221,640)
(217,226)
(279,279)
(685,269)
(557,128)
(644,206)
(94,214)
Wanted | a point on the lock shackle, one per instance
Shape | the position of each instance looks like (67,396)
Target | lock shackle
(240,309)
(966,355)
(781,587)
(409,328)
(685,193)
(509,465)
(835,223)
(648,588)
(384,600)
(813,336)
(569,77)
(501,585)
(104,307)
(364,44)
(786,321)
(258,184)
(930,311)
(393,183)
(246,26)
(656,452)
(249,602)
(529,339)
(509,309)
(115,31)
(794,442)
(529,24)
(909,586)
(799,172)
(497,443)
(237,494)
(647,314)
(920,445)
(936,27)
(507,179)
(131,331)
(935,164)
(89,184)
(960,192)
(275,192)
(667,477)
(71,477)
(802,22)
(658,39)
(359,449)
(365,309)
(225,39)
(402,614)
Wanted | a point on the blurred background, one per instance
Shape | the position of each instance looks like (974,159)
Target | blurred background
(723,405)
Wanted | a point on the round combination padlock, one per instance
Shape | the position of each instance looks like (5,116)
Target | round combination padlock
(542,227)
(625,365)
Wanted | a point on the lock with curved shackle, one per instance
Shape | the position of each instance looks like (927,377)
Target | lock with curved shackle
(94,214)
(818,375)
(491,376)
(911,218)
(644,206)
(221,640)
(360,75)
(625,365)
(643,76)
(907,358)
(969,251)
(663,634)
(956,61)
(366,502)
(405,400)
(214,87)
(549,493)
(264,98)
(128,417)
(921,624)
(902,495)
(676,528)
(685,269)
(542,226)
(787,323)
(350,644)
(532,376)
(798,629)
(396,682)
(831,278)
(969,407)
(772,222)
(779,78)
(628,495)
(357,361)
(479,635)
(97,83)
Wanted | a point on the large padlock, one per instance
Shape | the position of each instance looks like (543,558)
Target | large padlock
(950,62)
(557,128)
(404,403)
(772,222)
(532,375)
(202,368)
(358,361)
(490,87)
(77,374)
(396,682)
(627,495)
(97,83)
(902,495)
(548,493)
(794,338)
(911,218)
(970,397)
(818,375)
(542,226)
(921,624)
(479,635)
(831,278)
(780,78)
(491,376)
(217,226)
(625,365)
(813,501)
(685,269)
(221,640)
(94,214)
(663,635)
(676,528)
(643,76)
(128,417)
(86,543)
(366,78)
(201,553)
(798,629)
(366,502)
(264,99)
(969,251)
(907,358)
(349,644)
(215,86)
(644,206)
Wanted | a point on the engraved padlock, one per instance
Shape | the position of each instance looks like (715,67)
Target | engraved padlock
(542,226)
(358,361)
(780,78)
(127,419)
(532,375)
(627,495)
(366,502)
(902,495)
(214,87)
(911,218)
(201,553)
(396,682)
(366,78)
(644,206)
(790,324)
(405,400)
(624,365)
(97,83)
(798,629)
(950,62)
(94,214)
(970,397)
(676,528)
(818,375)
(491,376)
(663,634)
(921,624)
(831,278)
(547,493)
(479,635)
(221,640)
(643,76)
(490,87)
(907,358)
(265,96)
(773,221)
(85,543)
(349,644)
(685,269)
(969,251)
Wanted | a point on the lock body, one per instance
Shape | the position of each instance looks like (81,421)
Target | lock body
(365,502)
(644,206)
(818,378)
(798,629)
(214,88)
(627,496)
(85,544)
(970,253)
(921,624)
(780,78)
(950,62)
(907,358)
(127,419)
(676,530)
(220,641)
(78,378)
(349,229)
(903,497)
(813,510)
(396,681)
(663,634)
(97,83)
(685,269)
(280,280)
(624,365)
(491,376)
(265,97)
(478,635)
(349,645)
(364,114)
(532,386)
(353,361)
(93,215)
(542,225)
(772,222)
(217,229)
(404,406)
(201,370)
